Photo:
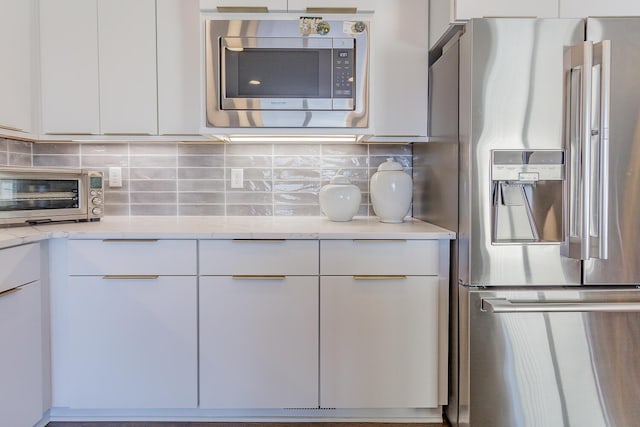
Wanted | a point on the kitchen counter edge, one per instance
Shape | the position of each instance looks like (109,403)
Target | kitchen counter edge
(225,228)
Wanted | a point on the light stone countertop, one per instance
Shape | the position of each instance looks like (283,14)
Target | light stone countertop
(132,227)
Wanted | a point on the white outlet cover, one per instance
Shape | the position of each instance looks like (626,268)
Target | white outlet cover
(115,176)
(237,178)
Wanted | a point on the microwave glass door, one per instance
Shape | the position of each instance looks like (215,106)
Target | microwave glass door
(26,194)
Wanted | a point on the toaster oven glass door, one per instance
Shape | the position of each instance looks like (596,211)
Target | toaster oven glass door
(27,194)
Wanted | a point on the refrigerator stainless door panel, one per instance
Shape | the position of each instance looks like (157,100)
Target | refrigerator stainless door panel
(623,262)
(552,357)
(510,99)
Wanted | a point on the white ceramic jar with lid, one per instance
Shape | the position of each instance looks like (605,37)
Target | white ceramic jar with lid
(340,199)
(391,192)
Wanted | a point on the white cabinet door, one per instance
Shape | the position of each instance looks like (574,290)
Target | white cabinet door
(179,88)
(271,5)
(124,343)
(127,48)
(17,30)
(69,66)
(360,5)
(258,342)
(21,373)
(584,8)
(439,19)
(379,342)
(399,60)
(467,9)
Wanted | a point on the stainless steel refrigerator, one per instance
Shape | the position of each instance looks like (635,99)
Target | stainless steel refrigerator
(534,160)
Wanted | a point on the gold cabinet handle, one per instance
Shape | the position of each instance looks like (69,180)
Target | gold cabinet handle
(380,277)
(379,240)
(258,277)
(129,240)
(130,276)
(9,291)
(242,9)
(260,240)
(321,10)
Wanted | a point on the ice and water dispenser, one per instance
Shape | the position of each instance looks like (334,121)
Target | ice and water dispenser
(527,191)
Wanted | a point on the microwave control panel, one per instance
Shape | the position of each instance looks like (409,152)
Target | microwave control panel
(343,60)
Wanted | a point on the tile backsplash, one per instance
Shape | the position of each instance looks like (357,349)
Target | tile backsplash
(195,179)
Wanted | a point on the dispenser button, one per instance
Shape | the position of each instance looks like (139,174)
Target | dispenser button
(528,176)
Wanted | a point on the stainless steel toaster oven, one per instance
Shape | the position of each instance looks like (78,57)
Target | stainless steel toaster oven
(32,195)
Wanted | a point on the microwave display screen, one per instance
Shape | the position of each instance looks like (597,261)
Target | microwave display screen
(278,73)
(31,194)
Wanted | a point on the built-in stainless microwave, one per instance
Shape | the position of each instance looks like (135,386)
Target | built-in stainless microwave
(32,195)
(306,72)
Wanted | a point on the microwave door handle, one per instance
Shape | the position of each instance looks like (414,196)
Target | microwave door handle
(602,57)
(578,61)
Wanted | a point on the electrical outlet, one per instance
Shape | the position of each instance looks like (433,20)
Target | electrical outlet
(237,178)
(115,176)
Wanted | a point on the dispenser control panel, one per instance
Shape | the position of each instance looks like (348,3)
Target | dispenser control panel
(527,165)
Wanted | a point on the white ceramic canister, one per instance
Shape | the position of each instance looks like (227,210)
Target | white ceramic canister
(340,199)
(391,192)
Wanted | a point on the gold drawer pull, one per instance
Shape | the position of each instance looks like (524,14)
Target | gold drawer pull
(321,10)
(381,277)
(9,291)
(242,9)
(379,240)
(129,240)
(258,277)
(261,240)
(130,276)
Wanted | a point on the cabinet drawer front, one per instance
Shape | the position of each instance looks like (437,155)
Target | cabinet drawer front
(19,265)
(378,257)
(258,257)
(116,256)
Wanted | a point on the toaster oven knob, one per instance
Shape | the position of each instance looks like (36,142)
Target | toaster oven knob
(96,211)
(93,193)
(96,201)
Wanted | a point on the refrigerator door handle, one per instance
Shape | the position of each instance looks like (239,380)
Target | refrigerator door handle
(501,305)
(602,57)
(578,69)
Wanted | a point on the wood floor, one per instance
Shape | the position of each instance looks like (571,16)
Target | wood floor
(219,424)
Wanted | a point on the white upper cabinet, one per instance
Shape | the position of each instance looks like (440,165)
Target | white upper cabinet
(69,66)
(399,57)
(271,5)
(439,19)
(127,58)
(583,8)
(467,9)
(360,5)
(16,40)
(98,66)
(179,88)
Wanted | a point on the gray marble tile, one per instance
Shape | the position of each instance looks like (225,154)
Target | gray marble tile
(249,210)
(91,161)
(153,161)
(296,174)
(333,162)
(197,149)
(161,210)
(116,197)
(201,185)
(56,148)
(248,149)
(116,210)
(251,185)
(153,149)
(256,174)
(360,174)
(153,197)
(296,199)
(344,149)
(249,198)
(153,185)
(19,159)
(4,159)
(196,198)
(19,147)
(294,186)
(201,210)
(390,149)
(296,162)
(200,161)
(104,149)
(201,173)
(296,150)
(56,160)
(248,161)
(296,210)
(153,173)
(4,143)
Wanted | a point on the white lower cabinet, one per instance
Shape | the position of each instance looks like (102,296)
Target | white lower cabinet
(21,336)
(379,342)
(123,334)
(259,342)
(258,305)
(21,368)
